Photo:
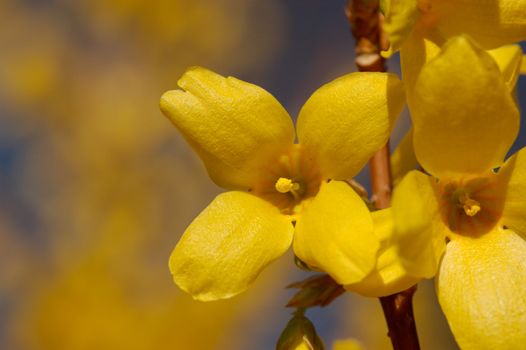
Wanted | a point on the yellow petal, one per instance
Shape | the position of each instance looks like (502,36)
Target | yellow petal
(481,290)
(225,248)
(509,60)
(415,52)
(464,117)
(420,231)
(403,159)
(389,275)
(513,174)
(345,121)
(335,234)
(234,126)
(523,65)
(491,23)
(400,19)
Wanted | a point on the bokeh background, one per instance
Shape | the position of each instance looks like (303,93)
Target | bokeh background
(96,186)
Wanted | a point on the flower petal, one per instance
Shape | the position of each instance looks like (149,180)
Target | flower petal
(414,54)
(234,126)
(464,116)
(513,173)
(480,287)
(335,233)
(420,231)
(225,248)
(389,275)
(491,23)
(403,159)
(345,121)
(400,19)
(509,59)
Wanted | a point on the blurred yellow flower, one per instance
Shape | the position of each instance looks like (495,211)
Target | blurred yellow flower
(466,221)
(246,141)
(180,31)
(113,295)
(347,344)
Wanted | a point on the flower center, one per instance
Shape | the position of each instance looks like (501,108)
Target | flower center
(471,206)
(284,185)
(289,180)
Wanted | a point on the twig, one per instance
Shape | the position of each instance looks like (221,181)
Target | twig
(366,26)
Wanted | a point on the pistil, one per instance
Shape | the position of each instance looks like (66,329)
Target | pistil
(471,207)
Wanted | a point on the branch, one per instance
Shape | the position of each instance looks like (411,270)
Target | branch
(366,26)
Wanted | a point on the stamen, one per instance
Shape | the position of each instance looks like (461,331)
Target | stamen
(471,206)
(284,185)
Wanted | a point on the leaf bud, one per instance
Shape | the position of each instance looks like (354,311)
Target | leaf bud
(299,334)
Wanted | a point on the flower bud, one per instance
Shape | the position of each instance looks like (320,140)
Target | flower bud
(299,334)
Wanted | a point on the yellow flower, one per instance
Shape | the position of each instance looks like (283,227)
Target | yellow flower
(510,60)
(491,23)
(389,275)
(467,220)
(347,344)
(418,28)
(246,140)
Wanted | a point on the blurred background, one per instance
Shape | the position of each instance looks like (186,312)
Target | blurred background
(96,185)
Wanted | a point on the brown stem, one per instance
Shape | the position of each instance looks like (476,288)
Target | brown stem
(398,311)
(365,20)
(381,178)
(366,26)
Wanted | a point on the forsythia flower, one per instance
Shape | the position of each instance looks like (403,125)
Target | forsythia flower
(510,60)
(279,189)
(491,23)
(420,27)
(467,221)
